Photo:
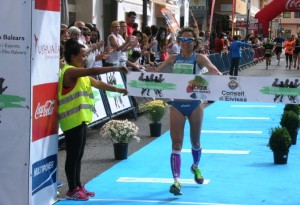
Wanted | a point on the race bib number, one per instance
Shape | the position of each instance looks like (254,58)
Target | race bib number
(183,68)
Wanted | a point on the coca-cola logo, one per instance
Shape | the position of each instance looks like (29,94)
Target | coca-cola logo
(44,110)
(292,5)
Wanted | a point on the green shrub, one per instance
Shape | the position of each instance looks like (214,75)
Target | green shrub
(290,120)
(292,107)
(280,139)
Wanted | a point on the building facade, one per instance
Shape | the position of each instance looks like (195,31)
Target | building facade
(186,12)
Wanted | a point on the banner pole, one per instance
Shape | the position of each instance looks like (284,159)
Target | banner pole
(211,14)
(233,14)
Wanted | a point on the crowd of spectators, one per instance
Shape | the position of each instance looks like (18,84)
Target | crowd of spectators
(128,45)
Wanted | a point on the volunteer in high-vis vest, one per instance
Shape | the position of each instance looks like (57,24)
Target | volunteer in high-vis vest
(75,110)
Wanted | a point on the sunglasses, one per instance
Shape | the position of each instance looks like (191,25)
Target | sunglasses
(189,40)
(86,34)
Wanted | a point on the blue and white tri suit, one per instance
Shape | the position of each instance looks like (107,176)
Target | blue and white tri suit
(186,107)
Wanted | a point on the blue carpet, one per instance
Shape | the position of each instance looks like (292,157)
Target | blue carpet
(236,163)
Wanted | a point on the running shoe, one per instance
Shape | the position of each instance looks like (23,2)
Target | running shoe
(77,195)
(197,175)
(59,184)
(86,192)
(176,189)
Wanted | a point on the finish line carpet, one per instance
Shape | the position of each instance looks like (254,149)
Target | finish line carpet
(236,163)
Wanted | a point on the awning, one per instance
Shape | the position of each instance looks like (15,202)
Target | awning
(138,9)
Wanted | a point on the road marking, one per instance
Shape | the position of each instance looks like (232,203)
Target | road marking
(232,131)
(158,180)
(259,106)
(243,118)
(212,151)
(171,201)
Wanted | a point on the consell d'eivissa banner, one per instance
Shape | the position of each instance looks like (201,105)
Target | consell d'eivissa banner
(215,88)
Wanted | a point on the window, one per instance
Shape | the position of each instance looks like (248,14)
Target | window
(287,14)
(287,33)
(296,14)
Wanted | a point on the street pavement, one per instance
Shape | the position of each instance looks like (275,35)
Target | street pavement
(99,154)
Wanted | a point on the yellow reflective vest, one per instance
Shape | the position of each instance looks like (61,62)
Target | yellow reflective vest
(77,105)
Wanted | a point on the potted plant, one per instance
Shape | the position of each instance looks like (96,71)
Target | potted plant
(120,132)
(290,120)
(280,143)
(154,110)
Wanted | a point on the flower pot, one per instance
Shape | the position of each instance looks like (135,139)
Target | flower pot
(294,137)
(280,157)
(155,129)
(120,150)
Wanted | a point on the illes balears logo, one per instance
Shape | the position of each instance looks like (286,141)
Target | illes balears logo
(233,84)
(9,101)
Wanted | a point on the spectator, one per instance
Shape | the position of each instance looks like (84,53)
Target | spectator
(219,43)
(100,56)
(82,27)
(123,30)
(235,54)
(131,16)
(118,46)
(162,46)
(153,40)
(75,33)
(64,36)
(135,26)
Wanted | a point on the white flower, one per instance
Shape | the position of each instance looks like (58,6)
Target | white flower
(120,131)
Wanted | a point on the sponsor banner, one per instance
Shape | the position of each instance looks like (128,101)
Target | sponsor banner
(44,173)
(44,110)
(292,5)
(45,44)
(117,102)
(45,47)
(15,45)
(215,88)
(99,112)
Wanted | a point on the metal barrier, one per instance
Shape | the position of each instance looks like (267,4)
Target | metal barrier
(249,58)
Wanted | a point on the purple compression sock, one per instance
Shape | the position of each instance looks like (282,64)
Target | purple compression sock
(196,155)
(176,164)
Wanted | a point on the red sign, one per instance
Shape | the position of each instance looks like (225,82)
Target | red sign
(240,24)
(253,26)
(48,5)
(243,24)
(44,110)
